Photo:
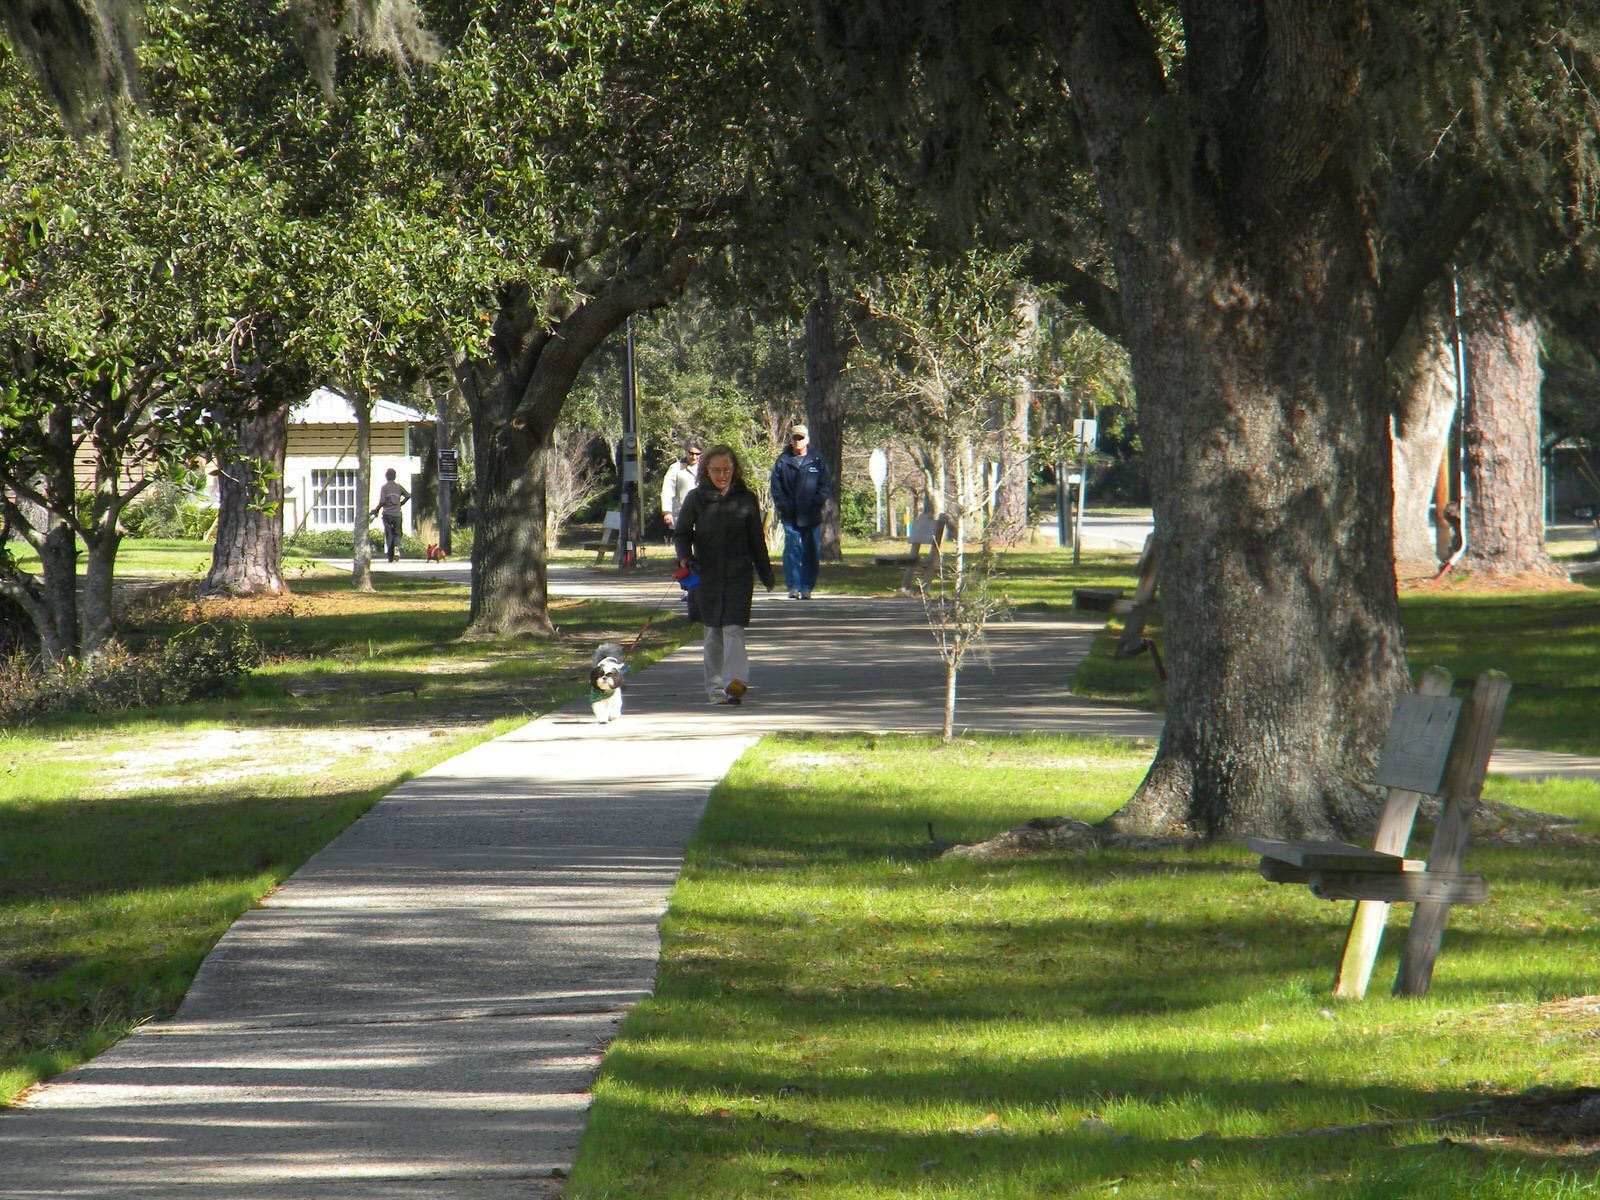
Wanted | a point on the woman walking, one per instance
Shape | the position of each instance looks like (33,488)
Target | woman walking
(718,534)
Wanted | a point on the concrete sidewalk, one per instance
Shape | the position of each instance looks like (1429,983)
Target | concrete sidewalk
(420,1010)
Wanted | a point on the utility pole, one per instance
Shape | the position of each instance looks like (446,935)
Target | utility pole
(448,468)
(628,461)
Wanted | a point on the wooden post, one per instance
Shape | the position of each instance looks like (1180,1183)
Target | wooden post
(1394,833)
(1469,762)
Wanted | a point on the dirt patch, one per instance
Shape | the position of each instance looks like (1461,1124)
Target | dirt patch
(207,758)
(1480,581)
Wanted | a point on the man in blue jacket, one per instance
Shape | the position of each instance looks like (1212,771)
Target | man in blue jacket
(800,487)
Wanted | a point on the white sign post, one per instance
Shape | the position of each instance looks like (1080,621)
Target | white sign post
(878,468)
(1084,432)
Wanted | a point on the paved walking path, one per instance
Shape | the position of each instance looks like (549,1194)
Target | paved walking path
(420,1010)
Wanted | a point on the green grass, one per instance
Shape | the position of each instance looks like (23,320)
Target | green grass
(170,556)
(1033,578)
(1547,642)
(841,1014)
(130,842)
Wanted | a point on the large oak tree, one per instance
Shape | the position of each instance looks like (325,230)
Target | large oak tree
(1233,153)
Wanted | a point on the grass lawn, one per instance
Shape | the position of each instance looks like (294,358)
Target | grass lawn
(1034,578)
(171,556)
(840,1013)
(1548,642)
(129,842)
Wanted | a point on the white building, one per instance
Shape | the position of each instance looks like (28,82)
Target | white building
(319,473)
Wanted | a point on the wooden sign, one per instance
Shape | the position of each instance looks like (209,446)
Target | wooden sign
(1420,732)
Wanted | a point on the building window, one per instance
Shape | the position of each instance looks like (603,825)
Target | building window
(333,499)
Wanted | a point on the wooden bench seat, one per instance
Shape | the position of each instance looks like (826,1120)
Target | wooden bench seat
(1139,610)
(1337,856)
(1390,887)
(1092,599)
(927,530)
(1435,746)
(610,534)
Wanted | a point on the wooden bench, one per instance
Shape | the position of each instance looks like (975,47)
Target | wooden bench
(1435,746)
(1140,609)
(1093,599)
(927,530)
(610,533)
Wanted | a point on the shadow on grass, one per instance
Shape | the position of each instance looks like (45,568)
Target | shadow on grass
(750,1148)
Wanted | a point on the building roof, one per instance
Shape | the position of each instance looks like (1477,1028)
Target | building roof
(327,407)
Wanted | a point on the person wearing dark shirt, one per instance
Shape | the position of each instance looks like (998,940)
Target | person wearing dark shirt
(800,487)
(719,536)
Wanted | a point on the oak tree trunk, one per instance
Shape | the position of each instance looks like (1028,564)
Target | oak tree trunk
(247,559)
(1011,497)
(826,353)
(1248,294)
(1010,522)
(515,395)
(61,638)
(1504,508)
(1422,419)
(509,575)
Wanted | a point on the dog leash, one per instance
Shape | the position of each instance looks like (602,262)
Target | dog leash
(677,581)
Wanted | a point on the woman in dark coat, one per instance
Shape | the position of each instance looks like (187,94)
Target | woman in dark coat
(718,534)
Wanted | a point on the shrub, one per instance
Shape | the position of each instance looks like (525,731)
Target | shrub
(340,543)
(203,661)
(858,511)
(169,510)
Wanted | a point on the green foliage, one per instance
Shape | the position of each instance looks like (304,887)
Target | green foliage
(168,510)
(197,663)
(858,511)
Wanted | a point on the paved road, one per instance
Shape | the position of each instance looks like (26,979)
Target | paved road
(1104,531)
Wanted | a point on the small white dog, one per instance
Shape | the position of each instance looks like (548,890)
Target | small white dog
(605,682)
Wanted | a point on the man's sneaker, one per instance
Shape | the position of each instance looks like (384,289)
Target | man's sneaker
(793,595)
(716,697)
(805,595)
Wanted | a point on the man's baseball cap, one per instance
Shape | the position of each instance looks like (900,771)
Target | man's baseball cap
(799,431)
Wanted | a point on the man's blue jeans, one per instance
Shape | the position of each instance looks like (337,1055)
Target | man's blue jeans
(801,556)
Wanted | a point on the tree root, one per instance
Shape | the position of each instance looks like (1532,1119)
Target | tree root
(1494,823)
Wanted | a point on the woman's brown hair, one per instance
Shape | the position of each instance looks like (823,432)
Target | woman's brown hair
(722,449)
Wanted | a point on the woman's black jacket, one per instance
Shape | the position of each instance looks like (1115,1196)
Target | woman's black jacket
(722,536)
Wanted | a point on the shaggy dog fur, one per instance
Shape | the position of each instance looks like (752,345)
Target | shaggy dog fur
(605,682)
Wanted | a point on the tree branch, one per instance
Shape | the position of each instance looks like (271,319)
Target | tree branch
(640,285)
(1449,216)
(1100,303)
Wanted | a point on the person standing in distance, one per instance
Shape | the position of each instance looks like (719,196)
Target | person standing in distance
(682,477)
(391,498)
(719,536)
(800,487)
